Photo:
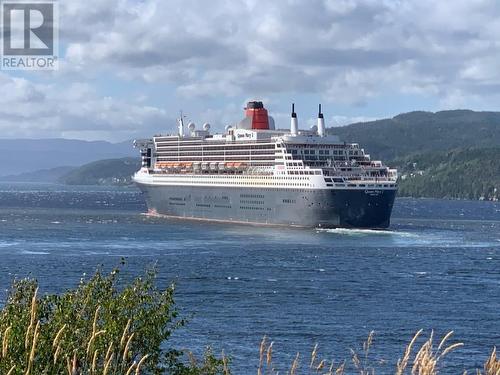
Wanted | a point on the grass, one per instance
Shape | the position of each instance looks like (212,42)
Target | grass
(423,359)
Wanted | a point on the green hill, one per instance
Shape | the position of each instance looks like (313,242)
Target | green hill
(103,172)
(462,173)
(421,132)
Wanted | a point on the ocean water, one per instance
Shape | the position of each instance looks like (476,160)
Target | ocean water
(438,267)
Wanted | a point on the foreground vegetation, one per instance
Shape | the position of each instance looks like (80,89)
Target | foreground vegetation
(424,359)
(97,328)
(103,328)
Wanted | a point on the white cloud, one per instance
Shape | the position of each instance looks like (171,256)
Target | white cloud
(33,110)
(232,47)
(340,51)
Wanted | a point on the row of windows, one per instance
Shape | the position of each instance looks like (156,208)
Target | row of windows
(227,146)
(325,152)
(291,190)
(304,172)
(218,159)
(205,173)
(242,183)
(196,142)
(313,157)
(202,205)
(215,198)
(167,145)
(203,152)
(269,147)
(291,201)
(332,145)
(251,202)
(251,196)
(247,177)
(260,177)
(252,208)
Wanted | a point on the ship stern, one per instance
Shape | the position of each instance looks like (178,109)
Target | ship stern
(368,208)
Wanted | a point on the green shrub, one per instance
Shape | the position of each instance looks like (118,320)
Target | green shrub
(96,328)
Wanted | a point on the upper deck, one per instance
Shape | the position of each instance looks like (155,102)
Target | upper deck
(244,150)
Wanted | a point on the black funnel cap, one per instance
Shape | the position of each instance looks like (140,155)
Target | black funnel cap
(254,105)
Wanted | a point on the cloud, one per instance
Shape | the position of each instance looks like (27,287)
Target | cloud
(30,110)
(345,52)
(235,47)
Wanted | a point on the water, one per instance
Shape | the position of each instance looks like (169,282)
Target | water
(437,268)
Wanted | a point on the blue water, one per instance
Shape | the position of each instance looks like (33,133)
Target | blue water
(437,268)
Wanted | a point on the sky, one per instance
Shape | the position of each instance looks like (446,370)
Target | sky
(127,67)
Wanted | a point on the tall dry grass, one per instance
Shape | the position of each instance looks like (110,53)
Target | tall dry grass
(419,358)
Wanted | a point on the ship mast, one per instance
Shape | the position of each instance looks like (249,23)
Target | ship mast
(181,125)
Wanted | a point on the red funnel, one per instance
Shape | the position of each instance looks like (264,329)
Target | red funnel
(258,115)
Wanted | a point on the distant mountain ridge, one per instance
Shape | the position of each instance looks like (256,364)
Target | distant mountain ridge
(28,155)
(420,132)
(51,175)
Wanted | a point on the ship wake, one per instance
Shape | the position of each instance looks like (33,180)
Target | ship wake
(364,232)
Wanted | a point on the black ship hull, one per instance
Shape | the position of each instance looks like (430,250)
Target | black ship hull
(326,208)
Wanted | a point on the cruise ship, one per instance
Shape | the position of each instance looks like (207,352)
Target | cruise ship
(254,173)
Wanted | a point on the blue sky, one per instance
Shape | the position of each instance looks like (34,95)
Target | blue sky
(128,67)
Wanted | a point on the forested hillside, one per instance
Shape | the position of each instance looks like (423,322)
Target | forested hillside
(461,173)
(421,132)
(104,172)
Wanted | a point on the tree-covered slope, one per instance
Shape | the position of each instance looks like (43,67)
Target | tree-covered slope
(420,132)
(462,173)
(103,172)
